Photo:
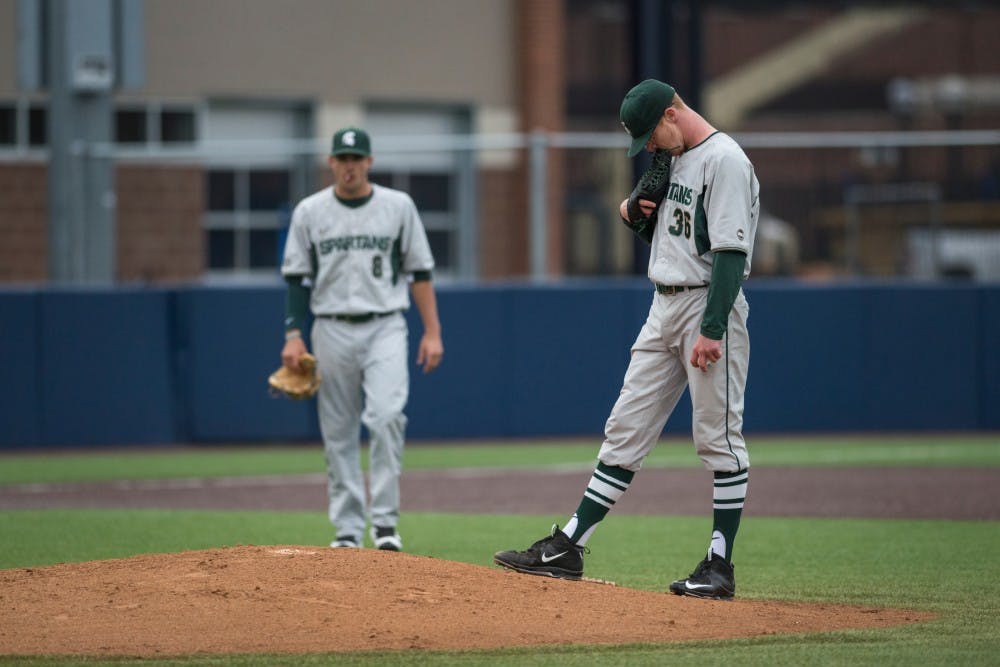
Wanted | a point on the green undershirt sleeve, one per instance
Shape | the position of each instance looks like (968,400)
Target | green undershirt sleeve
(296,303)
(727,276)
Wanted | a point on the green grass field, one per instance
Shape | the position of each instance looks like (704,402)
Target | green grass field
(948,567)
(161,463)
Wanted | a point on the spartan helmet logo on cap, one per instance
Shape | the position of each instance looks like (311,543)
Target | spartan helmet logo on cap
(351,141)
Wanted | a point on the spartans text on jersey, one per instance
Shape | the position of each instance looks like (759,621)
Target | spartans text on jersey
(680,194)
(359,242)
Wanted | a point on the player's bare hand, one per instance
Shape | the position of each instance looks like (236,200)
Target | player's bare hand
(705,353)
(292,352)
(430,352)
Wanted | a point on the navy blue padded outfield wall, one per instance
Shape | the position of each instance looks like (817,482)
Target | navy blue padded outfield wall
(132,366)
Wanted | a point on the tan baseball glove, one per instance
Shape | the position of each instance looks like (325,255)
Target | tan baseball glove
(300,384)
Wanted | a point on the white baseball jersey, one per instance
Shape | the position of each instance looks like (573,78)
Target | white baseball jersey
(711,204)
(358,258)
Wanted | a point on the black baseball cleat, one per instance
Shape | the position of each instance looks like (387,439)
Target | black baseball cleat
(713,578)
(553,556)
(386,538)
(344,541)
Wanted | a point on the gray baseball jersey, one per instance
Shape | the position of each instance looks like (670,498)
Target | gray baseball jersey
(712,204)
(706,208)
(357,257)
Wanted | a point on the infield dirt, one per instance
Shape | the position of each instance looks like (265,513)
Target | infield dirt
(298,599)
(301,599)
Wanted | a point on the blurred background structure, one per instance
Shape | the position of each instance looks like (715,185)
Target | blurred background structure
(151,152)
(160,141)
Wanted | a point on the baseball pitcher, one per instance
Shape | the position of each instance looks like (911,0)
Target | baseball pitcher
(697,206)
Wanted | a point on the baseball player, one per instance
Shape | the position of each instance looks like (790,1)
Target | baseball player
(353,251)
(694,336)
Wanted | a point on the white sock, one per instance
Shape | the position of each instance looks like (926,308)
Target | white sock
(582,540)
(570,528)
(718,545)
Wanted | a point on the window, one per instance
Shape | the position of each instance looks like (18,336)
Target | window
(257,199)
(130,126)
(133,124)
(221,190)
(247,210)
(249,197)
(264,248)
(432,192)
(270,189)
(441,243)
(8,125)
(441,183)
(177,126)
(38,130)
(139,125)
(221,247)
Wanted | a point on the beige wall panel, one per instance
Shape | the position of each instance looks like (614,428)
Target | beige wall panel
(336,51)
(8,47)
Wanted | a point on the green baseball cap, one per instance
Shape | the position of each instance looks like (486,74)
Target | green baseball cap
(642,109)
(351,141)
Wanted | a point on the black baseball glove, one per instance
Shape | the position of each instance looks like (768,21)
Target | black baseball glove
(652,186)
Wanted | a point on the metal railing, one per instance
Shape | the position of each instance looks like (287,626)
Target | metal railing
(792,197)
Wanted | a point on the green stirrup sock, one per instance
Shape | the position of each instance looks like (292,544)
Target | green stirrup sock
(730,490)
(606,486)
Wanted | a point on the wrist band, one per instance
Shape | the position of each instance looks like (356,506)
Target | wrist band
(290,335)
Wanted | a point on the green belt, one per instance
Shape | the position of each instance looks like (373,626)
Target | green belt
(359,319)
(670,290)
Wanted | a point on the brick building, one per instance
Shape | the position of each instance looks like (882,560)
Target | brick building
(198,196)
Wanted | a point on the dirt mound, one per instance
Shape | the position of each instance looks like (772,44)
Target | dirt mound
(296,599)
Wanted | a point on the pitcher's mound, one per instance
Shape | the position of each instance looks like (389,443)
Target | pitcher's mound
(296,599)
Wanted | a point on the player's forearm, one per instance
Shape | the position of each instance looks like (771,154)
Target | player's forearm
(727,276)
(423,295)
(296,303)
(642,228)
